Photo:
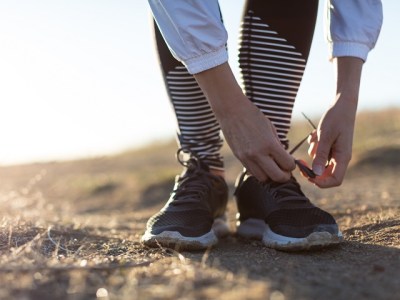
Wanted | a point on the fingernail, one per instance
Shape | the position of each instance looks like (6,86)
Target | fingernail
(318,170)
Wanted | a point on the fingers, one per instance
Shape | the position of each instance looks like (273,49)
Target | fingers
(256,171)
(267,169)
(332,176)
(273,163)
(331,159)
(255,142)
(333,173)
(284,160)
(276,166)
(313,142)
(321,157)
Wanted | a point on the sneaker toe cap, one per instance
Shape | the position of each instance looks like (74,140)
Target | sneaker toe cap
(189,225)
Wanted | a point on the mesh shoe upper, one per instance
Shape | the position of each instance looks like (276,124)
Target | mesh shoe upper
(197,199)
(283,206)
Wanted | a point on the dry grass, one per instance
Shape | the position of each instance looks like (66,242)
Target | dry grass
(71,230)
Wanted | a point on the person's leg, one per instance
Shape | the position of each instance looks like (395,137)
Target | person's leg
(275,42)
(194,216)
(198,130)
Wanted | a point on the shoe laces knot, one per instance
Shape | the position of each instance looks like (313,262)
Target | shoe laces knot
(196,182)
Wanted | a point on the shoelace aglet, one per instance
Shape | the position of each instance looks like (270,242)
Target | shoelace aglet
(306,170)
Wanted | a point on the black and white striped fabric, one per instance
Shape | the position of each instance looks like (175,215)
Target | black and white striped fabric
(272,59)
(198,129)
(271,68)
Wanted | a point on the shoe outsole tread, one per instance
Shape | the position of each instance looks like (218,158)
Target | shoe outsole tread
(175,240)
(258,230)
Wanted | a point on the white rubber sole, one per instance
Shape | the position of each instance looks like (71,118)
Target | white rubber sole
(257,229)
(173,239)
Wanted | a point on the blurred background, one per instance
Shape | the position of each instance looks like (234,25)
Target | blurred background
(80,78)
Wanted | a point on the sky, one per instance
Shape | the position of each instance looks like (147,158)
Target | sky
(80,78)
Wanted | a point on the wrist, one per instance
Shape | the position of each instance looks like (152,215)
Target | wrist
(348,78)
(347,101)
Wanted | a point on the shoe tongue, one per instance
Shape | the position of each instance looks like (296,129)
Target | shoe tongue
(286,189)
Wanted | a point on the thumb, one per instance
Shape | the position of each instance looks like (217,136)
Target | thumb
(321,156)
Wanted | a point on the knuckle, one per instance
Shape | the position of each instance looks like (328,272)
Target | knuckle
(262,178)
(259,175)
(280,177)
(248,154)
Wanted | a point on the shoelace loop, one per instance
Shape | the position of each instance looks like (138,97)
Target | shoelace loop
(196,182)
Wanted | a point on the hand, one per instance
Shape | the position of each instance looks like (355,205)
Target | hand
(331,145)
(250,135)
(254,141)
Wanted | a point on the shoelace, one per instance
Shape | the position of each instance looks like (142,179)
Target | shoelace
(287,191)
(300,163)
(195,183)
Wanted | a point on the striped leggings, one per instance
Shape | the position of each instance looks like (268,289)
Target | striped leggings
(275,41)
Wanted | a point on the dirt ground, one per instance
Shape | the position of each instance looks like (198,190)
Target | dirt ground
(71,230)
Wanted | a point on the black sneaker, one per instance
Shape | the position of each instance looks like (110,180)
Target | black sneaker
(194,216)
(281,216)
